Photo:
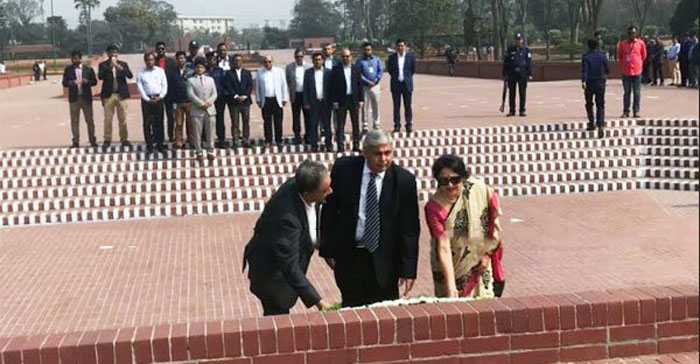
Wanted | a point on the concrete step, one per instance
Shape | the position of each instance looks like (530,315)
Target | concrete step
(692,173)
(674,184)
(691,123)
(668,140)
(678,151)
(662,161)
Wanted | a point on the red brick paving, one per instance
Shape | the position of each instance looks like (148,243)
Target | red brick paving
(92,276)
(678,358)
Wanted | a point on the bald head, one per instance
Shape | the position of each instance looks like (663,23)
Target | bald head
(267,62)
(346,56)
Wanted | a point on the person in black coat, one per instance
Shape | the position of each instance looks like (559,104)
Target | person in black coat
(348,97)
(241,82)
(79,79)
(594,72)
(401,65)
(370,226)
(177,92)
(317,99)
(284,239)
(114,94)
(517,70)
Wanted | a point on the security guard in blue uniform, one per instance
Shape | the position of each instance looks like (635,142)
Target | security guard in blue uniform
(517,65)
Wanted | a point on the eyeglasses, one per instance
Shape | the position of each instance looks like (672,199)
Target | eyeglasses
(267,61)
(299,56)
(346,56)
(444,181)
(160,48)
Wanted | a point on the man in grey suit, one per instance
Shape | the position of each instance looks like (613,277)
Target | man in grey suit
(295,82)
(271,95)
(201,90)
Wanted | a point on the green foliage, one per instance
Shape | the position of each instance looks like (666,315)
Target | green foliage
(685,18)
(141,23)
(314,18)
(21,12)
(274,38)
(555,37)
(420,20)
(571,48)
(252,35)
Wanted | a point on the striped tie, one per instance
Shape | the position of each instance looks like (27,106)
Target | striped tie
(370,239)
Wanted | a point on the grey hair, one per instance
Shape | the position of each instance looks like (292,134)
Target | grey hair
(309,175)
(375,138)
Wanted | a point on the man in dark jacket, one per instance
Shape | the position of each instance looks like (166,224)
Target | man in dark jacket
(401,66)
(177,91)
(684,59)
(168,65)
(284,240)
(657,55)
(594,72)
(241,82)
(348,97)
(517,70)
(317,100)
(223,91)
(79,79)
(114,95)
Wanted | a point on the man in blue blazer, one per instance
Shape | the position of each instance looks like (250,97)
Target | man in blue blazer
(401,66)
(79,79)
(242,82)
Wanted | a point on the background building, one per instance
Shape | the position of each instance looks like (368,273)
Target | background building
(213,24)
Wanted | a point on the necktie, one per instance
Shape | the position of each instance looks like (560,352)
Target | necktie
(201,81)
(370,239)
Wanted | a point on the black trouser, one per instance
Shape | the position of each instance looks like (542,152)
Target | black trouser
(646,65)
(396,95)
(521,81)
(595,88)
(657,73)
(152,123)
(357,280)
(220,105)
(347,105)
(272,112)
(170,115)
(241,115)
(685,72)
(319,114)
(297,110)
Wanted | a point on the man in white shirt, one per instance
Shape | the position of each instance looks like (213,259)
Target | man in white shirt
(271,95)
(295,82)
(2,67)
(153,86)
(317,101)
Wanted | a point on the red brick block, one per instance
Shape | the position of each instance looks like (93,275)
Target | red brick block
(599,307)
(503,315)
(438,322)
(12,354)
(302,332)
(30,349)
(678,345)
(453,319)
(436,348)
(632,349)
(534,341)
(550,313)
(647,305)
(285,333)
(444,360)
(348,356)
(297,358)
(487,359)
(584,315)
(518,313)
(319,331)
(267,336)
(68,352)
(487,318)
(353,330)
(178,342)
(677,328)
(470,319)
(679,308)
(384,353)
(662,303)
(421,322)
(336,330)
(249,332)
(693,305)
(535,314)
(581,353)
(485,344)
(48,352)
(87,353)
(615,311)
(142,345)
(161,343)
(232,338)
(196,341)
(535,357)
(228,361)
(636,332)
(585,336)
(567,311)
(387,330)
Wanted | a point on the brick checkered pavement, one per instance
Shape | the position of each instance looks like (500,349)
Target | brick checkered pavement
(678,358)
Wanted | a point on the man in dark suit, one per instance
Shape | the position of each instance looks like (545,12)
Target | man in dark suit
(284,239)
(317,100)
(181,101)
(114,95)
(401,66)
(79,79)
(242,87)
(348,96)
(369,226)
(170,68)
(517,71)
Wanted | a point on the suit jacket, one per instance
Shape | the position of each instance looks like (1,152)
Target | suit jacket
(339,85)
(291,76)
(199,94)
(397,254)
(104,73)
(310,95)
(177,85)
(280,250)
(172,72)
(242,87)
(89,81)
(409,68)
(281,91)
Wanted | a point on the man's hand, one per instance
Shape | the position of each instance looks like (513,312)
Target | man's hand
(336,105)
(483,265)
(452,293)
(322,305)
(407,285)
(371,84)
(284,103)
(583,86)
(529,78)
(330,262)
(307,107)
(362,104)
(259,104)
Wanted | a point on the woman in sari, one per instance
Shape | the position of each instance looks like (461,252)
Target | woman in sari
(463,218)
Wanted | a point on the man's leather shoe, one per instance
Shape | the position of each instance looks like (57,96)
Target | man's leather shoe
(126,144)
(75,145)
(162,149)
(512,113)
(409,128)
(397,129)
(329,148)
(355,147)
(314,148)
(200,160)
(210,157)
(625,115)
(105,147)
(591,127)
(522,113)
(636,115)
(93,144)
(601,132)
(341,148)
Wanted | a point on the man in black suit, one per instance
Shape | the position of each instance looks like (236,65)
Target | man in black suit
(348,96)
(284,239)
(114,95)
(369,226)
(181,101)
(317,99)
(401,66)
(242,86)
(170,68)
(79,79)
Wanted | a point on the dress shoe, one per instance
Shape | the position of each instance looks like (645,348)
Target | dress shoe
(512,113)
(200,159)
(75,145)
(126,144)
(105,147)
(591,127)
(210,157)
(601,132)
(314,148)
(625,115)
(329,148)
(93,144)
(397,129)
(297,140)
(246,144)
(409,128)
(636,115)
(162,149)
(341,148)
(355,147)
(279,145)
(522,113)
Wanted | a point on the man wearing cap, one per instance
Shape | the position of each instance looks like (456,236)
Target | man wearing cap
(517,70)
(114,94)
(193,50)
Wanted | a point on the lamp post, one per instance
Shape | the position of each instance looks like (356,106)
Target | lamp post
(53,36)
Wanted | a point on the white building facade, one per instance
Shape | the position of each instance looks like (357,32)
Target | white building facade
(214,24)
